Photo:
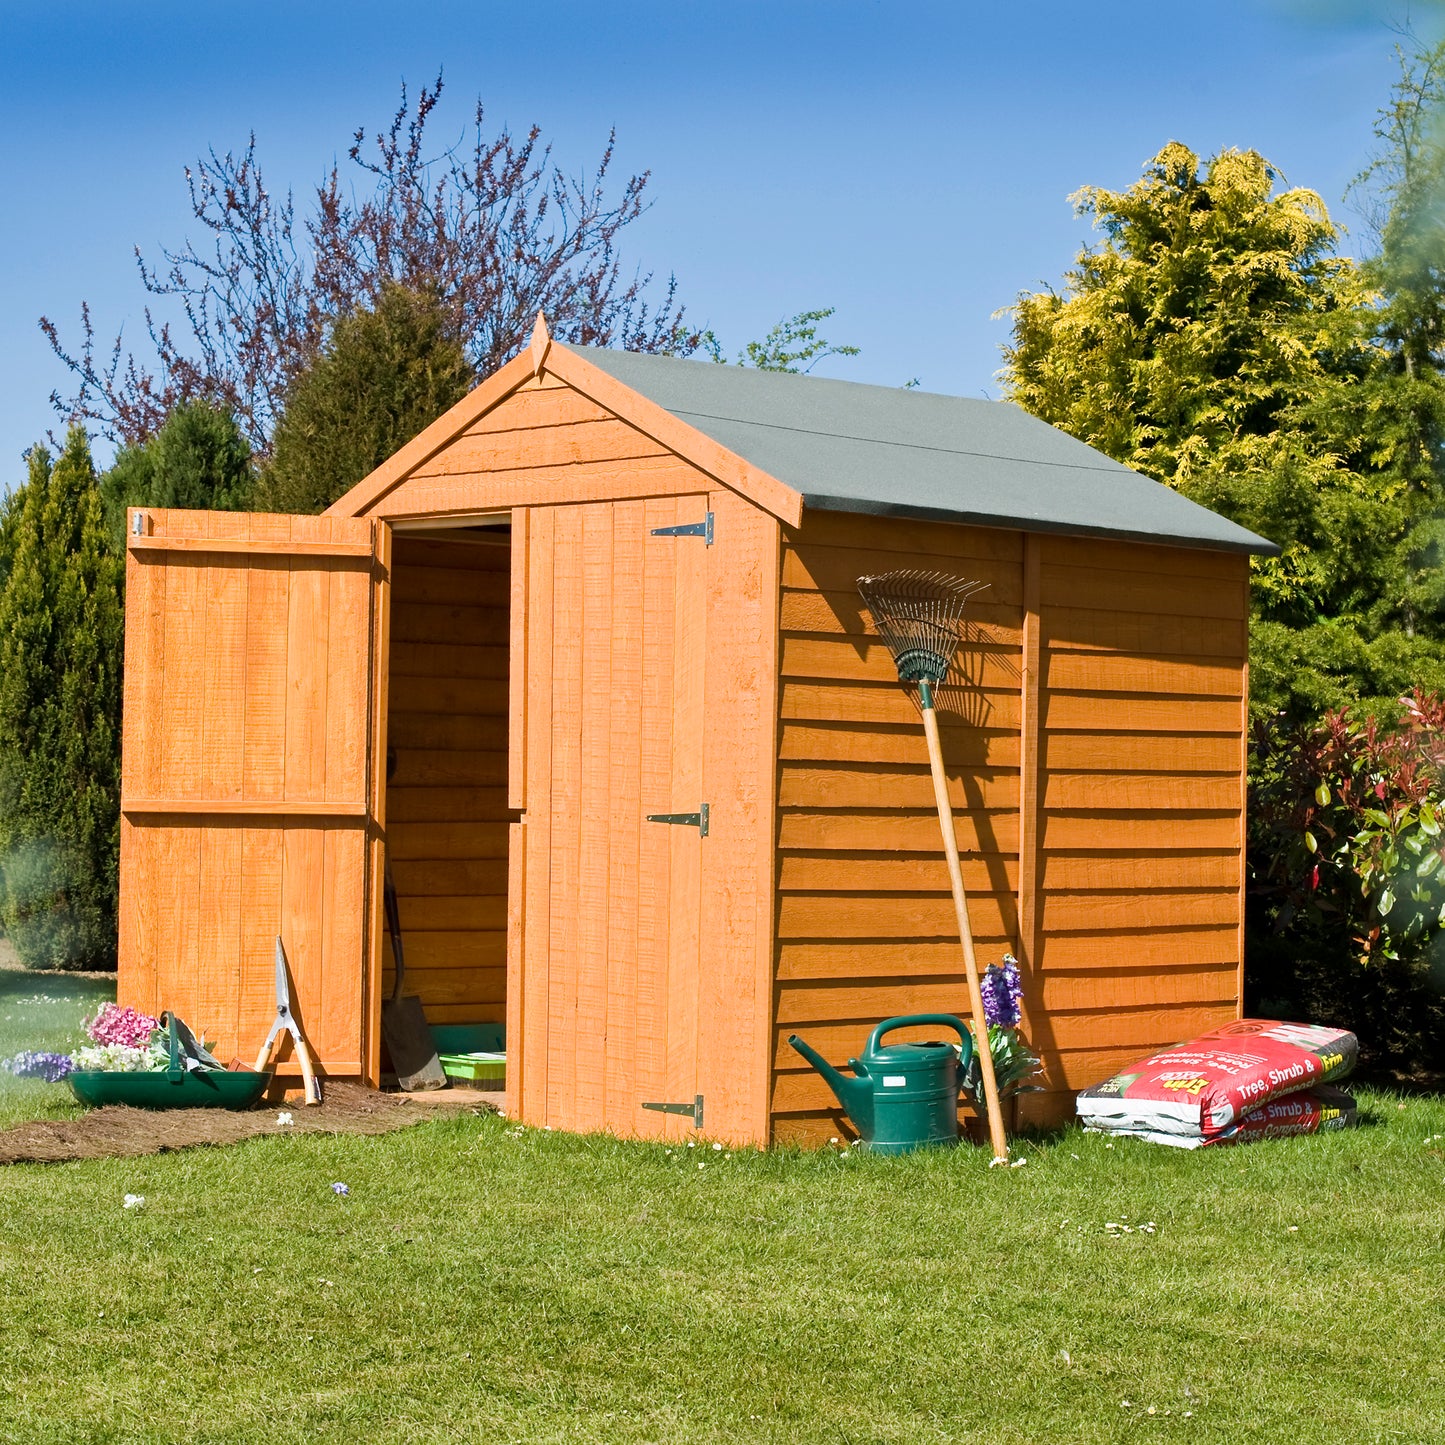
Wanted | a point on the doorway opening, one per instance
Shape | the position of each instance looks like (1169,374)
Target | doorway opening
(447,819)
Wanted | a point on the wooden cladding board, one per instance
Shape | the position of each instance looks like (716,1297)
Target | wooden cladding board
(249,682)
(1120,776)
(446,799)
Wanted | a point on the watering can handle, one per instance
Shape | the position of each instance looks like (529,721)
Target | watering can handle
(948,1021)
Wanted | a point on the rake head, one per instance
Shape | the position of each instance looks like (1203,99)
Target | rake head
(919,616)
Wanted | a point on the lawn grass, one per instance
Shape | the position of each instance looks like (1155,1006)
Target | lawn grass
(483,1282)
(43,1011)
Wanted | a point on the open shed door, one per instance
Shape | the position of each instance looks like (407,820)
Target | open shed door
(251,792)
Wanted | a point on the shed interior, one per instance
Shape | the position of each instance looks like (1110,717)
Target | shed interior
(446,792)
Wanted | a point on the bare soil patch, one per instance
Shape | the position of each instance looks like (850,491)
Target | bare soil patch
(118,1132)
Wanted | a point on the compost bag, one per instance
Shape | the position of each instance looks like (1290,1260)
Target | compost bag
(1311,1111)
(1202,1092)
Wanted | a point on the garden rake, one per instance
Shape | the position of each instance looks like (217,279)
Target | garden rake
(919,616)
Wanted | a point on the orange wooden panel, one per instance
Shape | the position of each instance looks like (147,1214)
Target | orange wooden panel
(868,958)
(452,804)
(534,982)
(443,577)
(858,872)
(876,743)
(1147,633)
(624,817)
(738,748)
(941,541)
(1138,713)
(538,407)
(1138,909)
(565,716)
(1114,949)
(1168,676)
(1167,792)
(654,874)
(463,660)
(886,702)
(842,613)
(892,915)
(803,785)
(562,444)
(467,493)
(1096,989)
(1121,591)
(1124,869)
(860,659)
(1140,752)
(1111,830)
(591,676)
(1144,558)
(837,569)
(432,771)
(518,678)
(978,831)
(690,667)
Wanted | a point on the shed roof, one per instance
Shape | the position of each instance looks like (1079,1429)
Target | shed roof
(849,447)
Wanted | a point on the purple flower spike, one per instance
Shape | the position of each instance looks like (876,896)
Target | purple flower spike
(1002,990)
(32,1065)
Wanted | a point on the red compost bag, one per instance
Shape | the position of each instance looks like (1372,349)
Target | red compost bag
(1207,1086)
(1311,1111)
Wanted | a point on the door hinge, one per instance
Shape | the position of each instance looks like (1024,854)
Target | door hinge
(694,1108)
(696,820)
(688,529)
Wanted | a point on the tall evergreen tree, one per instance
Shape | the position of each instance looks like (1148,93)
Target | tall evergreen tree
(60,691)
(1217,342)
(198,458)
(383,376)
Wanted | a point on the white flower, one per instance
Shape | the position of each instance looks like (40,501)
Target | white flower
(283,1119)
(134,1201)
(717,1148)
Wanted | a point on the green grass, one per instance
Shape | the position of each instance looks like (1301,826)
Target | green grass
(43,1011)
(489,1283)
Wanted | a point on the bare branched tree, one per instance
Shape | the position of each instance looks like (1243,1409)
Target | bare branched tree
(489,226)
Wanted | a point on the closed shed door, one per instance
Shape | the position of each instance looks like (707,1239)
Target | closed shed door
(607,728)
(249,796)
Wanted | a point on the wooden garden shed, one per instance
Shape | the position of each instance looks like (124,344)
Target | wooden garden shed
(609,587)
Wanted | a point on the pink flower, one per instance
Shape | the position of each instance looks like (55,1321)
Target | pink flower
(123,1026)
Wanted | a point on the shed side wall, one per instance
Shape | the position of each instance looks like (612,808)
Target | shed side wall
(446,803)
(1134,733)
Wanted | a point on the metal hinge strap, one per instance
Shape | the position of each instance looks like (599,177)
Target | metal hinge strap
(694,1108)
(688,529)
(696,820)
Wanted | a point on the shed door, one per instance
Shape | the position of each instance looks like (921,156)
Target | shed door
(607,727)
(253,718)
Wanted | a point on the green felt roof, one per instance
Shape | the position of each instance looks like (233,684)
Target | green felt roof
(853,448)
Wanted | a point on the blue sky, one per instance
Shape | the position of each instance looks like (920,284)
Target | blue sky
(907,163)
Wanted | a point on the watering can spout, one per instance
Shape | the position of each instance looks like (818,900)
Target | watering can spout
(855,1095)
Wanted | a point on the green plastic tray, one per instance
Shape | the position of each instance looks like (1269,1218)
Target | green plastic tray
(479,1067)
(212,1089)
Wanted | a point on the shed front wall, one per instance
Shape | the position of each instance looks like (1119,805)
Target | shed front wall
(1094,738)
(643,675)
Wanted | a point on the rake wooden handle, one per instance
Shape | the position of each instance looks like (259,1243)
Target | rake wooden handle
(965,933)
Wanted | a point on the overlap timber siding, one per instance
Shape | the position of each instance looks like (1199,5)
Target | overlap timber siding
(1093,736)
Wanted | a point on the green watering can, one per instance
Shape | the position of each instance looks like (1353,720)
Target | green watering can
(906,1095)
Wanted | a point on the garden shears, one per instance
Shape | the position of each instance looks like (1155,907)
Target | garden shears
(285,1023)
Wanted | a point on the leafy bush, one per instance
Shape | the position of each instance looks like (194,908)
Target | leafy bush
(1347,878)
